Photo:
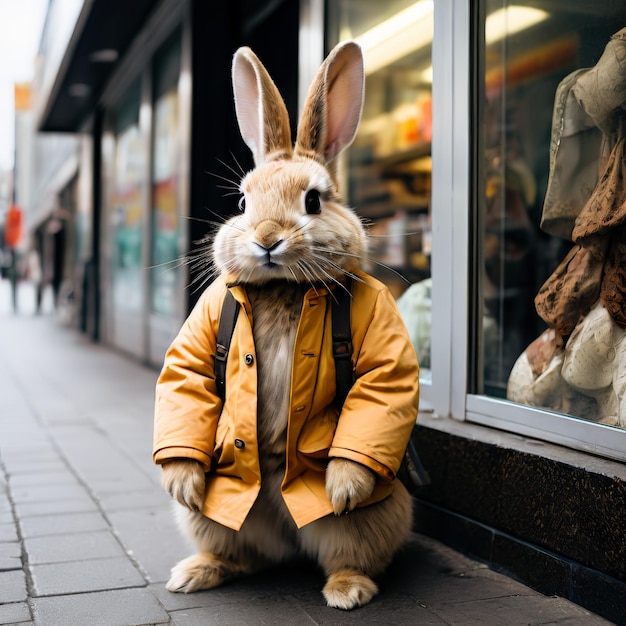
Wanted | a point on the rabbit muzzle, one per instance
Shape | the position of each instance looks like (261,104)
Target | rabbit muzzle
(267,245)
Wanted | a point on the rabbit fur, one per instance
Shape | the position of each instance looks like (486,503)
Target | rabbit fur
(278,251)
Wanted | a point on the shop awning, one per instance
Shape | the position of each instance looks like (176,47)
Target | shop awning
(103,31)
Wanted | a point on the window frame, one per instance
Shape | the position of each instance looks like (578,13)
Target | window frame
(461,24)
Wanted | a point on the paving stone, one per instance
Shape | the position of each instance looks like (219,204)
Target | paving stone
(81,505)
(10,556)
(133,500)
(172,546)
(513,610)
(16,613)
(37,448)
(29,467)
(60,477)
(128,607)
(5,503)
(113,481)
(240,615)
(384,609)
(12,586)
(44,493)
(8,532)
(72,547)
(183,601)
(43,525)
(82,576)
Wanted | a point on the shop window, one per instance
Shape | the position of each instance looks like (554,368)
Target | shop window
(551,207)
(387,170)
(166,224)
(126,211)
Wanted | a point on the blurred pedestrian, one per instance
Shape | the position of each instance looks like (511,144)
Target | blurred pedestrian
(35,276)
(12,236)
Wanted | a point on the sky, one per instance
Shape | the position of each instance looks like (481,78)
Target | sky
(21,22)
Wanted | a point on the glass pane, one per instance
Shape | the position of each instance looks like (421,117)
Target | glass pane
(127,200)
(165,159)
(551,226)
(388,168)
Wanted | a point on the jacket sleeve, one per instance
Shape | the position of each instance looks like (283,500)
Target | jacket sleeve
(187,406)
(381,409)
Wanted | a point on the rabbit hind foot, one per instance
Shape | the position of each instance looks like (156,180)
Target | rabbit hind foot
(200,571)
(348,589)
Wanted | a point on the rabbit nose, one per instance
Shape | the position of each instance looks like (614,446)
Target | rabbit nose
(267,234)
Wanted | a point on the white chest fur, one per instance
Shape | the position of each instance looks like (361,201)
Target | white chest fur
(276,313)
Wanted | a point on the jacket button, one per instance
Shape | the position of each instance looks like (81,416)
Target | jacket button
(249,359)
(240,444)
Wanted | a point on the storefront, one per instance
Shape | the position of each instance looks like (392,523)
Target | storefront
(487,165)
(136,89)
(484,136)
(145,198)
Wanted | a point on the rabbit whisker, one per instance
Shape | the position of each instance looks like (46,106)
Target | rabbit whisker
(233,183)
(292,273)
(232,169)
(366,259)
(177,260)
(307,273)
(239,167)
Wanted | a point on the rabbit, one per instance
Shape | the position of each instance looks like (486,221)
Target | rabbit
(301,480)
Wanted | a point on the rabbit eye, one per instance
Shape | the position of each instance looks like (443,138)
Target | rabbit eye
(312,202)
(242,204)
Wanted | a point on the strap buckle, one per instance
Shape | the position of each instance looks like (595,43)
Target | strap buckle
(342,349)
(221,353)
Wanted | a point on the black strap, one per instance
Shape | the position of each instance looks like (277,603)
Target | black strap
(342,342)
(228,319)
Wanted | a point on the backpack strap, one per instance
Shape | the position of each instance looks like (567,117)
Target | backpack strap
(342,342)
(412,472)
(228,319)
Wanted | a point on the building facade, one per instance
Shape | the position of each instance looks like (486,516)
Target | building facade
(488,134)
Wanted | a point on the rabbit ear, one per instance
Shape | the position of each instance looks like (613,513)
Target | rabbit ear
(261,111)
(332,110)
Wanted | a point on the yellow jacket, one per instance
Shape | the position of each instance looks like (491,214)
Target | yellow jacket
(373,428)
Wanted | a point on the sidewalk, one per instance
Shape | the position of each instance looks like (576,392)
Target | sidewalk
(86,535)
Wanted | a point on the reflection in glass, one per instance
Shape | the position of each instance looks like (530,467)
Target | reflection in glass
(388,168)
(127,199)
(552,121)
(165,163)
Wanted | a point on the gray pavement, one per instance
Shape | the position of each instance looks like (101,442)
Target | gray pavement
(86,535)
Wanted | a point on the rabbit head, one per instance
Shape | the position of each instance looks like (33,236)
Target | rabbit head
(293,225)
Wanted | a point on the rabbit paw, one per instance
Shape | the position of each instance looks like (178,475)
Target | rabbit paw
(200,571)
(348,589)
(184,480)
(347,484)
